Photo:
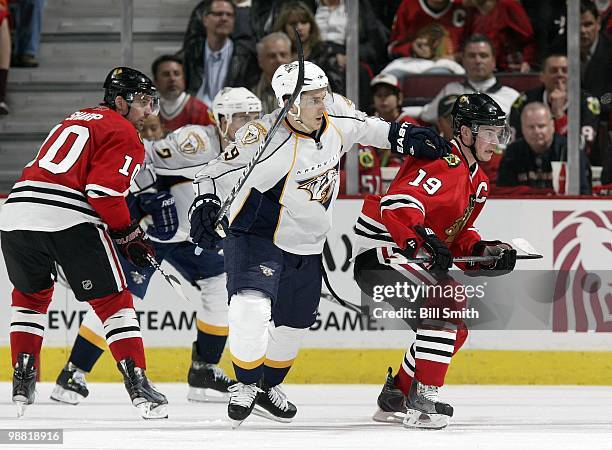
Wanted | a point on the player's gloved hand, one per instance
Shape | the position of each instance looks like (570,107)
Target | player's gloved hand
(133,243)
(202,215)
(162,208)
(416,141)
(507,256)
(441,256)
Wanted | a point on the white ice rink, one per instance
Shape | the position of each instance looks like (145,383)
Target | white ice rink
(329,416)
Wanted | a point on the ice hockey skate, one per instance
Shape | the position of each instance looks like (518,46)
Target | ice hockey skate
(24,382)
(241,402)
(391,402)
(272,404)
(424,409)
(207,382)
(71,386)
(151,403)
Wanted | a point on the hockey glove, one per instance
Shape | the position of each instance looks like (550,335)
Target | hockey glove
(133,243)
(502,266)
(162,208)
(441,257)
(202,215)
(419,142)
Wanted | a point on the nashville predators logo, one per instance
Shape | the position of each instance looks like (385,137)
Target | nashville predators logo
(321,187)
(192,143)
(254,133)
(452,160)
(458,225)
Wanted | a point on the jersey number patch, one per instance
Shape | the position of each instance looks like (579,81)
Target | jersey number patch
(431,184)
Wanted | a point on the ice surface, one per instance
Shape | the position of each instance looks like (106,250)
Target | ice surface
(329,416)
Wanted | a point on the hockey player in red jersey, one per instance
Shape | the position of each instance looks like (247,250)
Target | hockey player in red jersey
(430,208)
(69,208)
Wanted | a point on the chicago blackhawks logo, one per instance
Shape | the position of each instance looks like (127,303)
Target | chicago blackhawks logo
(458,225)
(582,251)
(321,187)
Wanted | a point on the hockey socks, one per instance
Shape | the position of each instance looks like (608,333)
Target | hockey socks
(121,327)
(28,321)
(211,342)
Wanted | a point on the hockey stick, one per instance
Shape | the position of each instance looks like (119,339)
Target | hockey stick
(518,243)
(334,298)
(227,203)
(171,279)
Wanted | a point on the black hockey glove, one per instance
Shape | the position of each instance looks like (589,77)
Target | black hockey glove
(502,266)
(416,141)
(441,257)
(162,208)
(133,243)
(202,215)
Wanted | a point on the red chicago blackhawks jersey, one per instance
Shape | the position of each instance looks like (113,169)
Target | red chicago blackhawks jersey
(82,172)
(443,194)
(444,30)
(190,111)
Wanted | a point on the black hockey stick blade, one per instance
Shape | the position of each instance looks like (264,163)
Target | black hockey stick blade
(171,279)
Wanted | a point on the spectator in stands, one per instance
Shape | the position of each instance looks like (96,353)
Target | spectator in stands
(272,51)
(554,94)
(527,161)
(264,14)
(177,107)
(327,55)
(479,63)
(5,54)
(596,55)
(212,60)
(331,18)
(507,25)
(295,14)
(414,18)
(27,16)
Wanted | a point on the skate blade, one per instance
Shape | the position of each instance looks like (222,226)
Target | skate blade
(388,416)
(205,395)
(153,411)
(21,407)
(235,423)
(423,421)
(261,412)
(66,396)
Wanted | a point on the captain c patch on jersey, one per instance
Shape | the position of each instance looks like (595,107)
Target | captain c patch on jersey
(321,187)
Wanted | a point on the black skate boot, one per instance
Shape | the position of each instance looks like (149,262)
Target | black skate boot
(24,382)
(70,386)
(272,404)
(152,404)
(241,402)
(391,402)
(424,409)
(207,382)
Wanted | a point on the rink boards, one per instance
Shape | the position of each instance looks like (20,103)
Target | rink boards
(344,349)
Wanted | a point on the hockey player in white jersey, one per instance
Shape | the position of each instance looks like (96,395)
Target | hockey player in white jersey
(164,189)
(278,223)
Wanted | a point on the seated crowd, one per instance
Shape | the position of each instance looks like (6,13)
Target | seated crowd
(242,42)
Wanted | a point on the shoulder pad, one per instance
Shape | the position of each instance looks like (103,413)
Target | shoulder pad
(192,139)
(251,133)
(520,101)
(593,105)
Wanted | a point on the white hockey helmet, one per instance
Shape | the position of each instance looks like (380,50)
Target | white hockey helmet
(232,100)
(285,79)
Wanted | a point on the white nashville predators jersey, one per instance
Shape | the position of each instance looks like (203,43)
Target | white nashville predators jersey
(171,165)
(289,196)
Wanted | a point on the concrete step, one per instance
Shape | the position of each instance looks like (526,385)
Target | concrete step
(112,24)
(70,55)
(105,8)
(14,156)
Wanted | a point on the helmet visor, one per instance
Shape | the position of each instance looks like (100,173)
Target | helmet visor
(498,135)
(141,100)
(316,98)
